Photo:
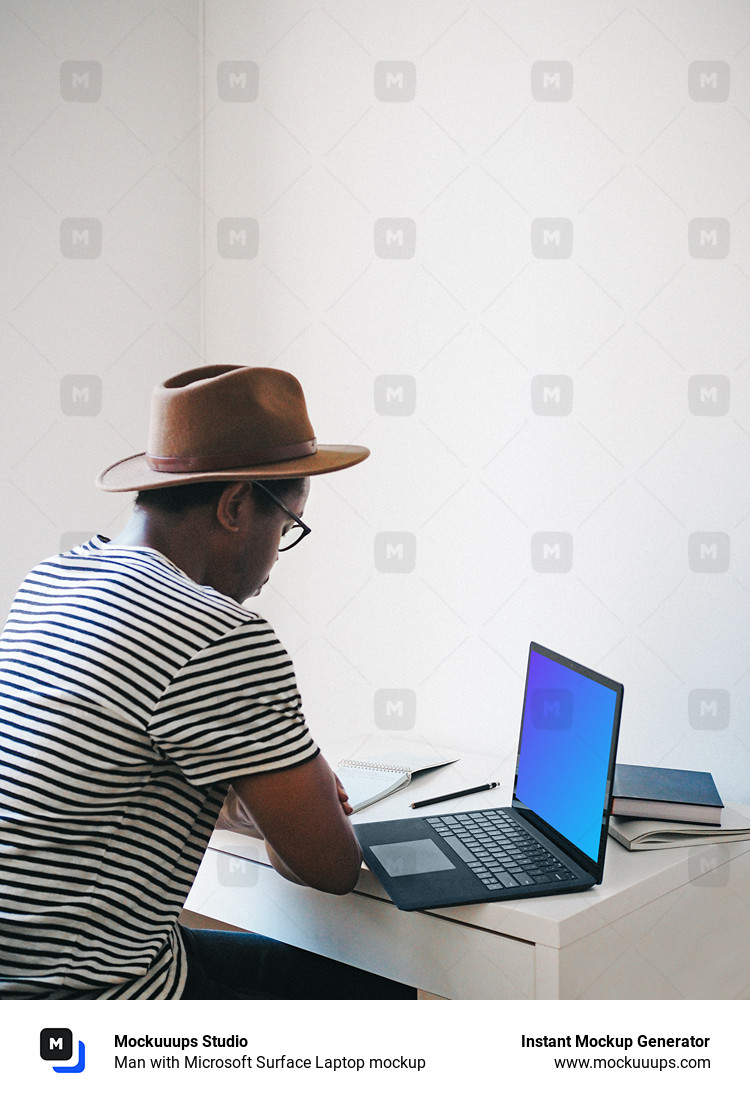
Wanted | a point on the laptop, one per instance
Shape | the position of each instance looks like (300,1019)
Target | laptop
(552,839)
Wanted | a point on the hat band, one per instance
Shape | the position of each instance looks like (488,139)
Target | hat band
(232,460)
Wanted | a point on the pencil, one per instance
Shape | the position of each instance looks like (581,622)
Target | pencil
(454,794)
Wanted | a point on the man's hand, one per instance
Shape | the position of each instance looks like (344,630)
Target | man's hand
(343,796)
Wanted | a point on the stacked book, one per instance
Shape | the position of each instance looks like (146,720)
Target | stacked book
(670,807)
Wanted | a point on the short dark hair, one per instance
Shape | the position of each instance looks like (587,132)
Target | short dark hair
(282,487)
(174,500)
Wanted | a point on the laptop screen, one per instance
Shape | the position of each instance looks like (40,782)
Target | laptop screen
(566,751)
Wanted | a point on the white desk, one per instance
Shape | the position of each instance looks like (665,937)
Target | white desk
(671,924)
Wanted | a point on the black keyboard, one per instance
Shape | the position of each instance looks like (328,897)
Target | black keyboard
(498,850)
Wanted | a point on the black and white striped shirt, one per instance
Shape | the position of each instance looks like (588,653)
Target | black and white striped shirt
(129,698)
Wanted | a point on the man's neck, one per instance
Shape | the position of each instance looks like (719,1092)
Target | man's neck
(182,539)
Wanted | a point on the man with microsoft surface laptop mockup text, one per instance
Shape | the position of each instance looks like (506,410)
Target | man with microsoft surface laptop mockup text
(135,687)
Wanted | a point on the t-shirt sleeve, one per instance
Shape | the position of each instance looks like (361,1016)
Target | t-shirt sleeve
(234,709)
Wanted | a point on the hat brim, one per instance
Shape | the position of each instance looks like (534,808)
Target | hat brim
(134,474)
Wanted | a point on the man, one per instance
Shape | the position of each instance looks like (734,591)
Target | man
(134,687)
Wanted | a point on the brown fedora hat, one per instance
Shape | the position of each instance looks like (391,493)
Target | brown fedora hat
(228,423)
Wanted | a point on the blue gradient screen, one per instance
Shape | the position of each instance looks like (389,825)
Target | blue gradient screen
(565,749)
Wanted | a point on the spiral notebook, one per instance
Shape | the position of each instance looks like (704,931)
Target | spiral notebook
(367,781)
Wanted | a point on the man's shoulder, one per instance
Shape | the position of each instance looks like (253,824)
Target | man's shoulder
(132,577)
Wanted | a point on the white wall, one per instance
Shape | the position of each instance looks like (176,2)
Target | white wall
(593,404)
(471,143)
(100,285)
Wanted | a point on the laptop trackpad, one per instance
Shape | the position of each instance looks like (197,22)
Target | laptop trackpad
(411,857)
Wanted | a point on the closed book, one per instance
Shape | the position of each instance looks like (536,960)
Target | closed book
(668,794)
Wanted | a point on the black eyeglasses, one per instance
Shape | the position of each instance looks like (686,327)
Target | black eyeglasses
(294,534)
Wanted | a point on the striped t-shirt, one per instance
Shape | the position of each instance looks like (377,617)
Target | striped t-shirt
(130,696)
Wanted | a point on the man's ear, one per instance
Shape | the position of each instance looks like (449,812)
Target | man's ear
(234,505)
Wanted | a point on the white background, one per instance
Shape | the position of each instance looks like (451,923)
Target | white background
(472,326)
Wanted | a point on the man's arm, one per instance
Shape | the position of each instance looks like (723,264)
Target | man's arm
(300,814)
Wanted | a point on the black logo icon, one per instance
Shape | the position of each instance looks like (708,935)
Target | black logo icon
(56,1045)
